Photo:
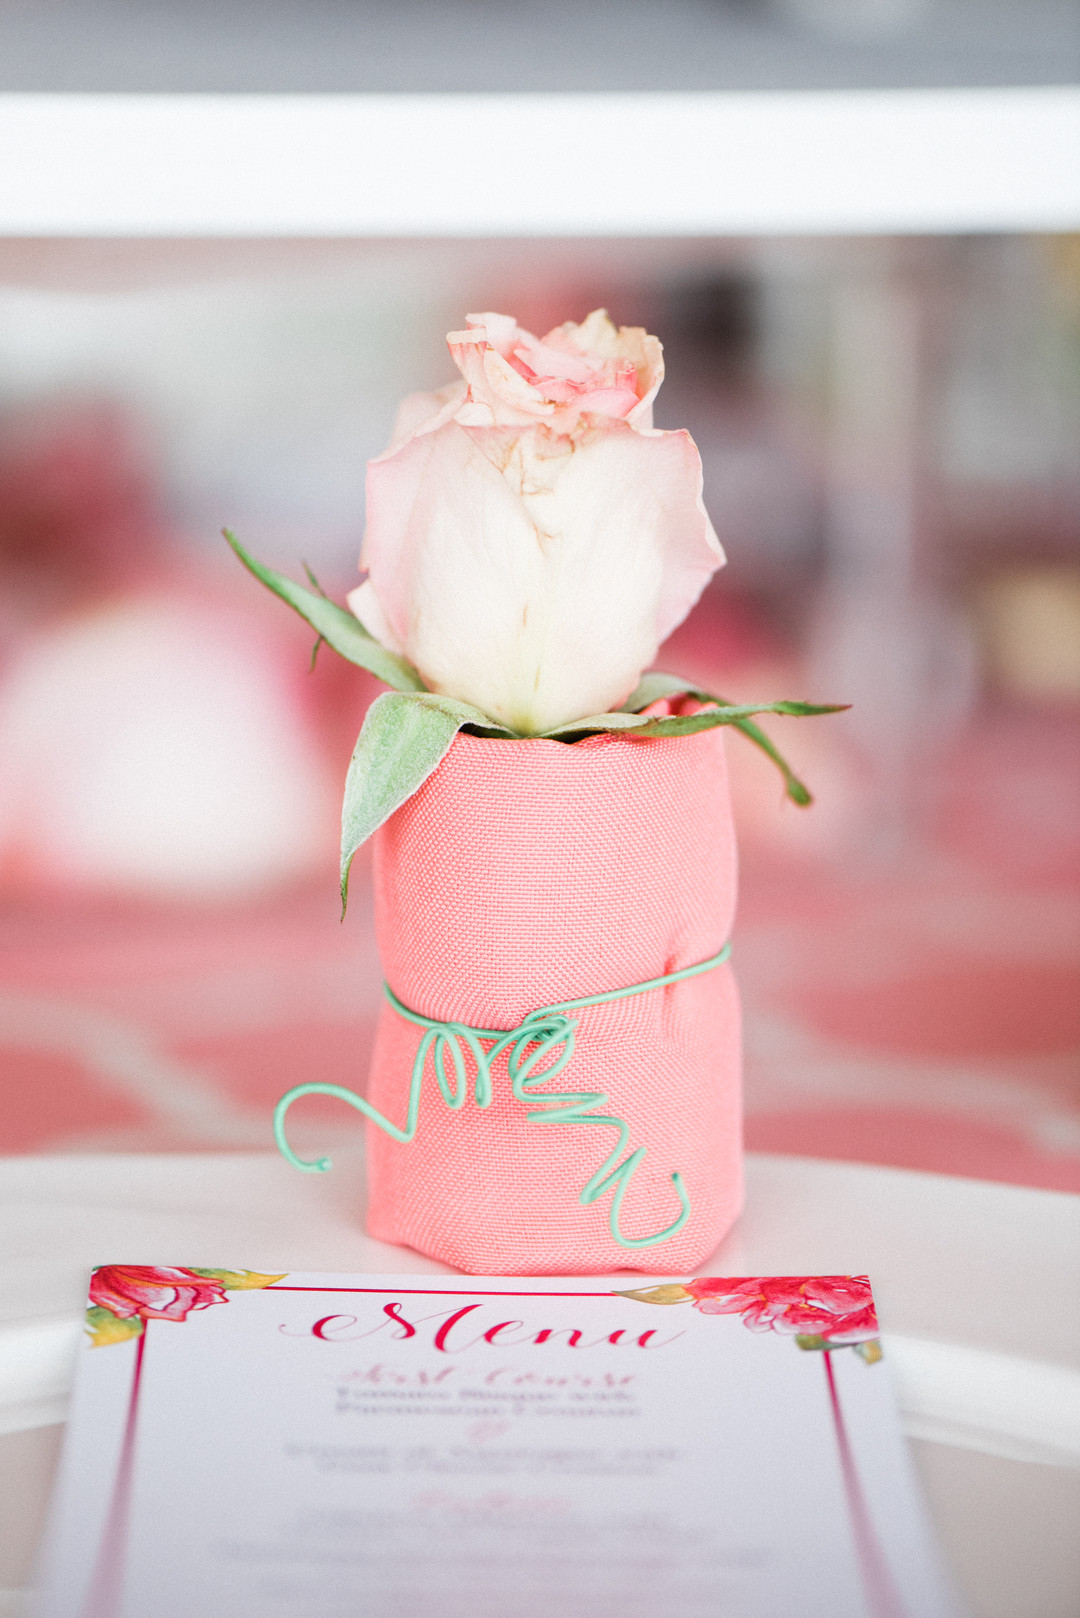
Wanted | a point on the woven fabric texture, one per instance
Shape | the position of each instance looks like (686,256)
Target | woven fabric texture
(527,873)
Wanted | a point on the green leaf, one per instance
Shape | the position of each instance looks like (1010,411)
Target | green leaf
(670,1292)
(239,1280)
(103,1327)
(405,737)
(336,626)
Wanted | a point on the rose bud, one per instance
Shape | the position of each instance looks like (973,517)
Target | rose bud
(531,537)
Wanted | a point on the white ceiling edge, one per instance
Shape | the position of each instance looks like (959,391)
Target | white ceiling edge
(612,164)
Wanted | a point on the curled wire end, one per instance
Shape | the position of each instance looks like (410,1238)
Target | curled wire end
(318,1165)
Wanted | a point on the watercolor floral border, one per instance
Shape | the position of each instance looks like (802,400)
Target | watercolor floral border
(819,1311)
(123,1297)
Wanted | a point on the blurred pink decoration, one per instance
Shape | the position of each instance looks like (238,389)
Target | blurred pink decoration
(155,734)
(78,517)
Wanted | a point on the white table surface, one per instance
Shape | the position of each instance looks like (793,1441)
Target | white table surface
(976,1287)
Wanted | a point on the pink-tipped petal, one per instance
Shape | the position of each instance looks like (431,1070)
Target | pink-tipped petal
(493,381)
(502,331)
(608,402)
(692,547)
(419,412)
(364,604)
(546,361)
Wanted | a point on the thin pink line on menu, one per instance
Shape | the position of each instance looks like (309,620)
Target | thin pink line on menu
(106,1585)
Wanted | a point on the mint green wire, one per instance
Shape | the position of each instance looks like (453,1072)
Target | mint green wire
(544,1031)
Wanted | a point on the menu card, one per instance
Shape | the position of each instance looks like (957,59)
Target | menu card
(316,1446)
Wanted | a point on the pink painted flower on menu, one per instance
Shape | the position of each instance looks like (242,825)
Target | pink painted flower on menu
(152,1293)
(839,1309)
(531,537)
(123,1297)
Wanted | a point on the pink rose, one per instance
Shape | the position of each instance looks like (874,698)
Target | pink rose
(531,537)
(837,1308)
(152,1293)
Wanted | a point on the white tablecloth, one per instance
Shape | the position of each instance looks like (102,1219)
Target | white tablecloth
(975,1283)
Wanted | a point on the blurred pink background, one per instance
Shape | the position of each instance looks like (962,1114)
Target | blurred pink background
(889,432)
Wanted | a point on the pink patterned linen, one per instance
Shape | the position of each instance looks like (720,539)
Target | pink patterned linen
(522,874)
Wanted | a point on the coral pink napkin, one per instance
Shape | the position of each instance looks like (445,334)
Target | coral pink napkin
(523,874)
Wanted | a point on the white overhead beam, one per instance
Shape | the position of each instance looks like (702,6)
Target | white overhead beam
(773,162)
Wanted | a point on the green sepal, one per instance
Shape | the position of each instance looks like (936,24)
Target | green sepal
(722,713)
(333,624)
(654,686)
(651,687)
(406,736)
(594,725)
(732,713)
(796,790)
